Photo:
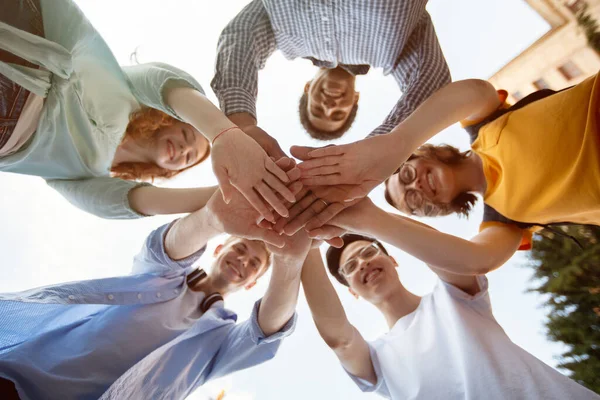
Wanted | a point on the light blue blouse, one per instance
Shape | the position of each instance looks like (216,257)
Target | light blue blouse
(133,337)
(88,101)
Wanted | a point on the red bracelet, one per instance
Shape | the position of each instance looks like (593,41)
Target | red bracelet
(223,131)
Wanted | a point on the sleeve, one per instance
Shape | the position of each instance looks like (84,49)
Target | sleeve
(243,49)
(492,217)
(420,70)
(149,82)
(104,197)
(154,259)
(246,345)
(365,386)
(479,301)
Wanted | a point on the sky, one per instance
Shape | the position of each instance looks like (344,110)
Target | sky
(46,240)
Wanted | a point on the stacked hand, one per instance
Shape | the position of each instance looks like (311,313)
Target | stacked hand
(239,162)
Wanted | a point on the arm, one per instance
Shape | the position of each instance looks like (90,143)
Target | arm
(331,322)
(420,71)
(152,200)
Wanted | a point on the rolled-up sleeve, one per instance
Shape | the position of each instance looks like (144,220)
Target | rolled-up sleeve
(420,71)
(246,345)
(104,197)
(244,46)
(150,81)
(153,257)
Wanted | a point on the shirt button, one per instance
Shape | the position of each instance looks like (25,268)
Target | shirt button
(71,297)
(110,297)
(158,294)
(176,291)
(324,19)
(139,296)
(327,40)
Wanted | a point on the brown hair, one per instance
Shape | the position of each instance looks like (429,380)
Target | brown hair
(334,254)
(450,155)
(143,125)
(320,134)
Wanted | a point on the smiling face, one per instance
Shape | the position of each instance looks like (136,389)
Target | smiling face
(422,187)
(239,263)
(369,272)
(178,146)
(331,99)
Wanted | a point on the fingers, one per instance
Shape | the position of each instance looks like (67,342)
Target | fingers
(258,204)
(324,216)
(327,180)
(284,162)
(280,188)
(321,171)
(276,151)
(226,187)
(301,152)
(298,222)
(267,235)
(306,199)
(319,162)
(337,242)
(294,174)
(266,192)
(327,151)
(275,170)
(326,232)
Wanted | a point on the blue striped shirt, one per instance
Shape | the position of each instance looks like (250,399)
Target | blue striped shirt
(396,35)
(125,337)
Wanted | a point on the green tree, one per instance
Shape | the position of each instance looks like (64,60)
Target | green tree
(570,278)
(589,26)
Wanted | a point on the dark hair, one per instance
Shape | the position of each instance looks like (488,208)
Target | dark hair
(450,155)
(320,134)
(334,254)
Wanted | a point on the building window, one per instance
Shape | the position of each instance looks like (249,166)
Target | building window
(574,5)
(541,84)
(570,70)
(517,95)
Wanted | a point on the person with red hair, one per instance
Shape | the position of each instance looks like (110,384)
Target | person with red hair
(98,132)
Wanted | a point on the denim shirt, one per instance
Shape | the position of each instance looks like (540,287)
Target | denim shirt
(212,347)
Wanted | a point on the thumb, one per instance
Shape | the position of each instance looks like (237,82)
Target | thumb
(301,152)
(267,235)
(359,191)
(224,184)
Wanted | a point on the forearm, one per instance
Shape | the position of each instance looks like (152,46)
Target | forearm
(190,234)
(195,109)
(152,200)
(242,119)
(437,249)
(452,103)
(279,302)
(325,306)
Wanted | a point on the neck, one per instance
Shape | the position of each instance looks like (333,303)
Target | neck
(209,286)
(129,151)
(469,175)
(397,304)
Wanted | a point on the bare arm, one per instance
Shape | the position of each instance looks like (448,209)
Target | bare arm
(331,322)
(152,200)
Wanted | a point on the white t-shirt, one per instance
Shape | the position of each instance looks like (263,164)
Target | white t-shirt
(451,347)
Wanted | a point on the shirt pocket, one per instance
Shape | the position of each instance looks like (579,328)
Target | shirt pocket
(490,134)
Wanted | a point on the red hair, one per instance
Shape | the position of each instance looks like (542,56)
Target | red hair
(143,125)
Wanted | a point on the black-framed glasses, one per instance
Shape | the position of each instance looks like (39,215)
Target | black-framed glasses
(367,253)
(414,199)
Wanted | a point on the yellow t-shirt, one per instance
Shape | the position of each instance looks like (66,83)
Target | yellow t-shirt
(542,161)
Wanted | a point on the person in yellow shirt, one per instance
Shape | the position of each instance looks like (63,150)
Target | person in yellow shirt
(535,164)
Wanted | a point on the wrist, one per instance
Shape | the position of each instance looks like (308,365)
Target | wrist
(398,146)
(372,220)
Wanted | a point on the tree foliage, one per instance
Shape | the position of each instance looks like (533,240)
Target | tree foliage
(570,278)
(589,26)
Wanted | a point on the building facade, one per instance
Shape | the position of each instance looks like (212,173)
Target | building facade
(560,58)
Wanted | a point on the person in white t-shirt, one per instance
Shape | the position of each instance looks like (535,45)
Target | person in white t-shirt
(444,345)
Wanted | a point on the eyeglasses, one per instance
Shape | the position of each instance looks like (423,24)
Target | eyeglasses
(414,199)
(367,253)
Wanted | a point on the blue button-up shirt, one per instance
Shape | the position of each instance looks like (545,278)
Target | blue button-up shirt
(49,335)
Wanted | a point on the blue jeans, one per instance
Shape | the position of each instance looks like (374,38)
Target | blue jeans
(25,15)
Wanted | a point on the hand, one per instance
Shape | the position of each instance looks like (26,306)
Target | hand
(239,218)
(351,219)
(239,162)
(267,142)
(296,247)
(365,163)
(314,208)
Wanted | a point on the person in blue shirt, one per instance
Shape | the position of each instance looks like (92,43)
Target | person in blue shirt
(163,331)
